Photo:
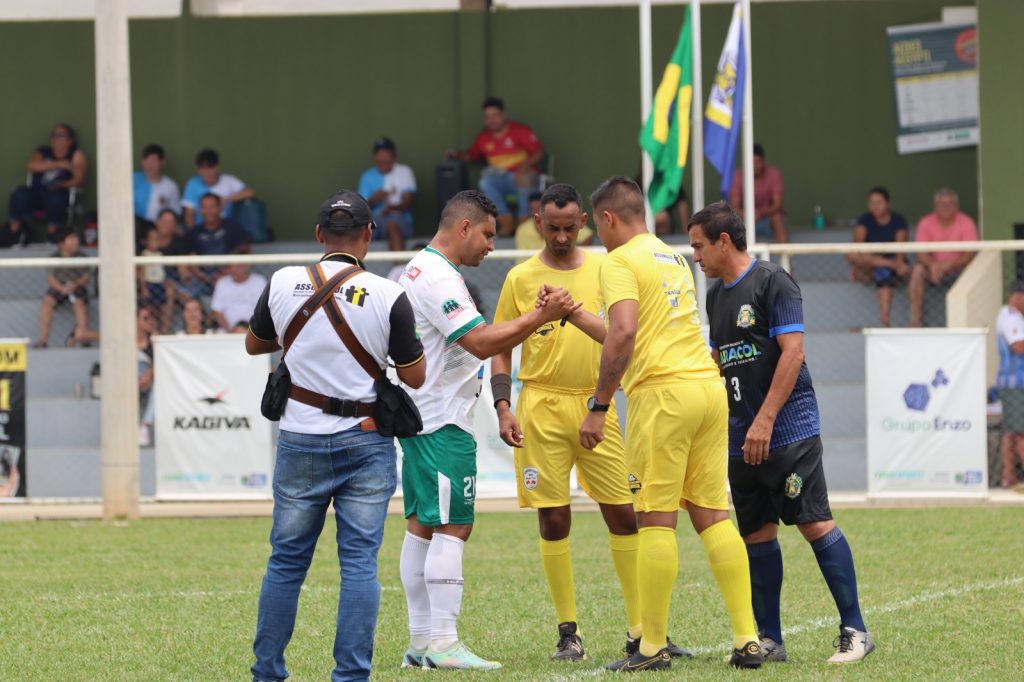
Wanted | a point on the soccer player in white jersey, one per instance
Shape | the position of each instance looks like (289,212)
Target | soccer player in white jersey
(439,464)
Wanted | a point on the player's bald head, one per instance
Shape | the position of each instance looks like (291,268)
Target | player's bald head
(620,196)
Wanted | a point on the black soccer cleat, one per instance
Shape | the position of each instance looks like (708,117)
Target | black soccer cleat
(640,663)
(750,656)
(674,650)
(570,646)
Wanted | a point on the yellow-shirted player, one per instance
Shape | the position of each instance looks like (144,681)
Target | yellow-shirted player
(676,424)
(559,370)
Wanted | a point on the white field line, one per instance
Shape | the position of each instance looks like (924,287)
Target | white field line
(830,622)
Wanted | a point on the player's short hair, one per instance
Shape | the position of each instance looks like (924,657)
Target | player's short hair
(880,190)
(758,150)
(561,194)
(718,218)
(469,204)
(167,210)
(210,195)
(619,195)
(207,157)
(535,196)
(496,102)
(151,149)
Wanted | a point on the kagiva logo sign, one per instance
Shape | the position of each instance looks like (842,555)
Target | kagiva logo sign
(917,397)
(219,422)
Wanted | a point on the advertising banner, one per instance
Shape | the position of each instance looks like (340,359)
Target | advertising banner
(13,364)
(211,440)
(935,81)
(926,425)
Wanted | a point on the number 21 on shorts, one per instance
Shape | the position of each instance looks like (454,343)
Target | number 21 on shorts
(469,489)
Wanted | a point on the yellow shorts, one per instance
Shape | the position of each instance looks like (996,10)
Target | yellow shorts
(550,420)
(677,441)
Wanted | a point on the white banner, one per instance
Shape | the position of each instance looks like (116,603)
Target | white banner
(926,423)
(211,440)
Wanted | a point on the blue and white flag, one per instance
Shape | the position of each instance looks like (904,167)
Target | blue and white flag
(725,104)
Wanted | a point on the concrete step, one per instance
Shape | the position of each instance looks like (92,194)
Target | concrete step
(825,267)
(60,422)
(842,409)
(844,306)
(53,372)
(20,318)
(75,472)
(835,357)
(845,461)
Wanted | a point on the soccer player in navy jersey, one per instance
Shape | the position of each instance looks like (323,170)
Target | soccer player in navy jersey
(755,311)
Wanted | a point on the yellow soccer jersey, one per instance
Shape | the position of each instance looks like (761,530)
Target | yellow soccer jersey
(669,342)
(556,356)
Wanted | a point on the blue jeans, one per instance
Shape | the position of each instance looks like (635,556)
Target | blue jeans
(498,184)
(25,200)
(357,470)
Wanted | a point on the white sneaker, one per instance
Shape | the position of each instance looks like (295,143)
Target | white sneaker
(145,435)
(457,657)
(851,645)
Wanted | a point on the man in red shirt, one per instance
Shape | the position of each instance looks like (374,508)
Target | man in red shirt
(945,224)
(769,213)
(512,152)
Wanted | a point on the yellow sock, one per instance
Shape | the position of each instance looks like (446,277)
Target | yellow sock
(729,563)
(657,564)
(557,560)
(624,551)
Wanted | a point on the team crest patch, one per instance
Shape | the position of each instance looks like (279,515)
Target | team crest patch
(746,317)
(794,484)
(634,484)
(531,477)
(451,308)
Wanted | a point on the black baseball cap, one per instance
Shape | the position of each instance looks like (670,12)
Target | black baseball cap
(345,200)
(384,143)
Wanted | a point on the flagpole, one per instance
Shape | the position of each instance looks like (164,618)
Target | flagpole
(646,97)
(748,130)
(697,140)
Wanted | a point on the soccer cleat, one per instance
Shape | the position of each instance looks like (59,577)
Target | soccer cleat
(674,650)
(570,646)
(457,657)
(413,658)
(851,645)
(774,652)
(640,663)
(749,656)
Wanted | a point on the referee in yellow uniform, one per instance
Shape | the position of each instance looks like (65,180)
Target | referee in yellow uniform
(676,425)
(559,371)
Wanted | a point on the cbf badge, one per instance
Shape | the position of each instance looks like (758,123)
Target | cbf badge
(530,478)
(746,317)
(794,484)
(634,484)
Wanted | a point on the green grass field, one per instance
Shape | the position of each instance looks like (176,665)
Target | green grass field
(943,592)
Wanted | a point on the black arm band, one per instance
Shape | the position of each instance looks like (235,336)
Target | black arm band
(501,388)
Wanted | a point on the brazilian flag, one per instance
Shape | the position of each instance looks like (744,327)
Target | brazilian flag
(666,135)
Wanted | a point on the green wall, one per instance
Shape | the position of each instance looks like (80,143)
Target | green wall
(293,104)
(1002,116)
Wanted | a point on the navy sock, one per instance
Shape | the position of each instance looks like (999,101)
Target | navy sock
(766,586)
(836,563)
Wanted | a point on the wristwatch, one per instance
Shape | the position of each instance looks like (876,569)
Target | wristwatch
(595,406)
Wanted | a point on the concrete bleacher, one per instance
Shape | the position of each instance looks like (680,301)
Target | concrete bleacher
(63,430)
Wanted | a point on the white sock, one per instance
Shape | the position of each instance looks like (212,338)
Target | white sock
(443,575)
(414,555)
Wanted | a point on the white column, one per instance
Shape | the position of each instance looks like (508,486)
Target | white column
(119,383)
(748,130)
(697,146)
(646,99)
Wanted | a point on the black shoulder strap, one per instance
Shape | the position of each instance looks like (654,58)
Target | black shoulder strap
(322,294)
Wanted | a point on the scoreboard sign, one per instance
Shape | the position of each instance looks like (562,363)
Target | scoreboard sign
(13,363)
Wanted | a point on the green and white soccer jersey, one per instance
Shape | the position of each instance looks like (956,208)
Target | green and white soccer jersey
(445,312)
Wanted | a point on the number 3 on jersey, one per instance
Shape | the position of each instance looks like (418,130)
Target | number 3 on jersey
(736,389)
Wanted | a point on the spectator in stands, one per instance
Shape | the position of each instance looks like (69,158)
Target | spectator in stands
(216,236)
(156,289)
(66,284)
(209,180)
(512,153)
(884,270)
(55,170)
(389,188)
(1010,381)
(193,318)
(769,190)
(528,232)
(153,191)
(945,224)
(234,297)
(145,327)
(663,219)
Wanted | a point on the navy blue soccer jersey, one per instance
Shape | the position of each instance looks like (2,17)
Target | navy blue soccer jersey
(745,318)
